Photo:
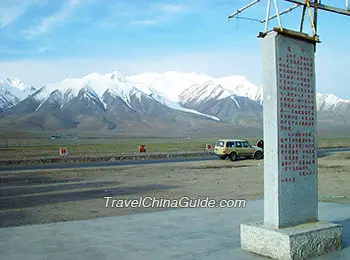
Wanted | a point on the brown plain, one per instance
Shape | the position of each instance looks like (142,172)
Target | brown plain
(35,197)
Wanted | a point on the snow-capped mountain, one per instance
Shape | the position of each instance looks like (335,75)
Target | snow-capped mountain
(213,98)
(198,93)
(171,85)
(108,99)
(331,103)
(98,87)
(12,91)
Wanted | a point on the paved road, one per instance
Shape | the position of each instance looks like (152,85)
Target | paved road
(103,164)
(321,152)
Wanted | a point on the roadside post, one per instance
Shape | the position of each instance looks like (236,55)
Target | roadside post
(142,148)
(63,151)
(208,147)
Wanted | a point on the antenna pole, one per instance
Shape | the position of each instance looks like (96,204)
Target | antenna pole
(267,15)
(278,15)
(315,21)
(323,7)
(243,8)
(302,18)
(315,16)
(284,12)
(310,16)
(307,7)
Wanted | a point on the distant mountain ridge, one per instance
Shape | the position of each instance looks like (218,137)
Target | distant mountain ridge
(12,91)
(148,100)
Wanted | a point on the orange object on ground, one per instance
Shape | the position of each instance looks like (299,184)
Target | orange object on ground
(142,148)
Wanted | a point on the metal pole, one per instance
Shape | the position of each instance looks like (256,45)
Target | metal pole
(323,7)
(302,18)
(267,15)
(315,21)
(347,4)
(243,8)
(310,16)
(315,16)
(284,12)
(278,16)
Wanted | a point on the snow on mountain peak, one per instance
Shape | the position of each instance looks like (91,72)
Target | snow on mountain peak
(241,86)
(172,84)
(206,91)
(15,83)
(89,93)
(116,75)
(12,91)
(144,81)
(169,84)
(328,102)
(331,98)
(92,76)
(71,87)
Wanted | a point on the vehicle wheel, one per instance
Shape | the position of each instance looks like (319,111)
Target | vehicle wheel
(258,155)
(233,156)
(223,157)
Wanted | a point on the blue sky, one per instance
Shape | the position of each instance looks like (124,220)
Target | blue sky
(44,41)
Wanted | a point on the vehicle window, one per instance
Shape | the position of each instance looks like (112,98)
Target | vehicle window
(238,144)
(230,144)
(246,144)
(220,143)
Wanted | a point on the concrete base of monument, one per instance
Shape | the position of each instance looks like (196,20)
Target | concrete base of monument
(297,242)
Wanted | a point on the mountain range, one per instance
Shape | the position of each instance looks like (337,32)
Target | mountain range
(173,102)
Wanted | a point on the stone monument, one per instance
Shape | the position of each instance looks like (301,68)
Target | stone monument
(290,229)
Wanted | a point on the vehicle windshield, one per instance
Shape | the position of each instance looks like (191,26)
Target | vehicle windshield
(220,143)
(246,144)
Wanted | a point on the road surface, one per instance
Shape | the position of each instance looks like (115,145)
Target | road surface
(321,152)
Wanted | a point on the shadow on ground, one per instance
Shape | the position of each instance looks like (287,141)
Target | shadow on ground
(31,179)
(346,231)
(39,200)
(23,190)
(219,166)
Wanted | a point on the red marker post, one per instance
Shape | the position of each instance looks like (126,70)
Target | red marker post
(208,147)
(63,151)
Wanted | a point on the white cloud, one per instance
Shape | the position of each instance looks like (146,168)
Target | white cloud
(243,63)
(9,15)
(37,50)
(145,14)
(214,64)
(10,11)
(171,8)
(49,22)
(144,22)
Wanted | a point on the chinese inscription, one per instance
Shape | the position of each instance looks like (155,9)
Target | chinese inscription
(297,118)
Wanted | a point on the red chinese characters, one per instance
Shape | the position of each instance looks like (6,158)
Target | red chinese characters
(296,115)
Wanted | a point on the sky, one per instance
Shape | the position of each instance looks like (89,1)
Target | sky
(45,41)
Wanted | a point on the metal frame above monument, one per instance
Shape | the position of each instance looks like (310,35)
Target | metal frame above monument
(291,228)
(306,4)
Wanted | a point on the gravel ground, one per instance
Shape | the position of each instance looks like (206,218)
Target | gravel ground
(35,197)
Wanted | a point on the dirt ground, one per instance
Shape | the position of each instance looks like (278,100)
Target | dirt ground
(36,197)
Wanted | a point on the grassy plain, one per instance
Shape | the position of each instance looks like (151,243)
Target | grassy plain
(24,148)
